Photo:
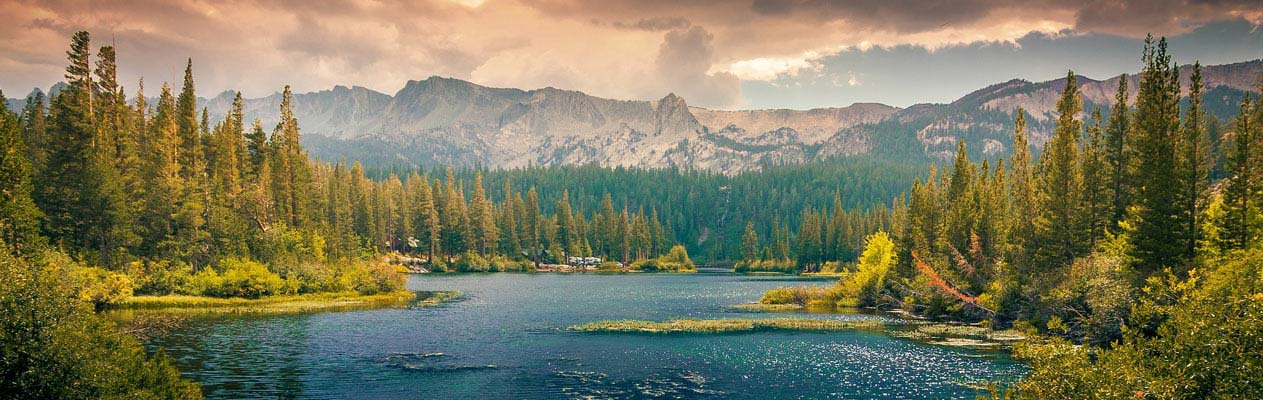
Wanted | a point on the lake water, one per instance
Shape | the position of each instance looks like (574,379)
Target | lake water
(506,339)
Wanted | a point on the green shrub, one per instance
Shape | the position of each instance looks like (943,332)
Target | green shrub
(55,347)
(676,260)
(501,263)
(471,262)
(247,279)
(782,266)
(159,277)
(101,288)
(377,277)
(800,295)
(610,266)
(868,283)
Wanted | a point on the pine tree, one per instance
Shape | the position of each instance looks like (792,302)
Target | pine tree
(750,244)
(1023,195)
(1239,204)
(19,218)
(533,223)
(1160,229)
(961,203)
(566,229)
(482,218)
(34,130)
(1061,185)
(1118,153)
(76,192)
(1196,160)
(1097,209)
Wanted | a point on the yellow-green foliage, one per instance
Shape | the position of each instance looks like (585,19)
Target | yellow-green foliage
(800,295)
(470,261)
(784,266)
(159,277)
(283,304)
(501,263)
(727,325)
(1194,338)
(56,347)
(100,287)
(676,260)
(875,263)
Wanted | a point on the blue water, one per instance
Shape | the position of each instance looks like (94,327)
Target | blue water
(505,339)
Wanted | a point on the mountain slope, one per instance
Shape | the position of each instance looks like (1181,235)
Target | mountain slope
(450,121)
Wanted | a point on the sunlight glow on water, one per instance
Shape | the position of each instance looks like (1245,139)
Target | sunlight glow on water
(506,340)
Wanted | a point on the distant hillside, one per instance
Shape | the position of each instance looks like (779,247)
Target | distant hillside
(451,121)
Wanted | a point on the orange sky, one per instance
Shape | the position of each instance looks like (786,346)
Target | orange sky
(703,50)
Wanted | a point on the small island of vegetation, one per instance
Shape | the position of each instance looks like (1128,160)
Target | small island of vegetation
(727,325)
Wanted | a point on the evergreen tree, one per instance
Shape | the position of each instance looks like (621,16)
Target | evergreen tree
(19,218)
(78,196)
(961,203)
(1097,209)
(1160,228)
(1118,152)
(482,219)
(1196,160)
(750,244)
(1239,213)
(1022,194)
(1061,183)
(34,129)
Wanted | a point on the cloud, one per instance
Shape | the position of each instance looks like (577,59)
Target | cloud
(683,63)
(771,68)
(638,49)
(655,24)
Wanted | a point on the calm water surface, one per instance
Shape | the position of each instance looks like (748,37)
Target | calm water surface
(505,339)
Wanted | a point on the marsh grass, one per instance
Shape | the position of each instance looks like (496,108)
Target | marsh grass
(960,335)
(434,298)
(286,304)
(727,325)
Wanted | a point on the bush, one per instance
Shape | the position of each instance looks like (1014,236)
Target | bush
(782,266)
(247,279)
(610,266)
(159,277)
(504,264)
(1194,338)
(55,347)
(676,260)
(101,288)
(378,277)
(868,283)
(800,295)
(471,262)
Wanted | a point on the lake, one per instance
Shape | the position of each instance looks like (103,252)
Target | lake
(506,339)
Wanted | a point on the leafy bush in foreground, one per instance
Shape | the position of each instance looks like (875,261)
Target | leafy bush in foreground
(52,345)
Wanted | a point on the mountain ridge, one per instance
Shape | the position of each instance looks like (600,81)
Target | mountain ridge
(441,120)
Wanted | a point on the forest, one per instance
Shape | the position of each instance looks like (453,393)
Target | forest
(1131,264)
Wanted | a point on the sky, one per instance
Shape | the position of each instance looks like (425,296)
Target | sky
(718,54)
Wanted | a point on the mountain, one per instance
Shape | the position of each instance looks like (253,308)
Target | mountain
(450,121)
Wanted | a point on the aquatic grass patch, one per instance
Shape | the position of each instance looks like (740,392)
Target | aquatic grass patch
(285,304)
(434,298)
(960,335)
(727,325)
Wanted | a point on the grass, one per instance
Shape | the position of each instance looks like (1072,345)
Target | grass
(434,298)
(727,325)
(960,335)
(286,304)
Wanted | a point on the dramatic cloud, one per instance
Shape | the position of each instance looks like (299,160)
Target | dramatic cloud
(711,52)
